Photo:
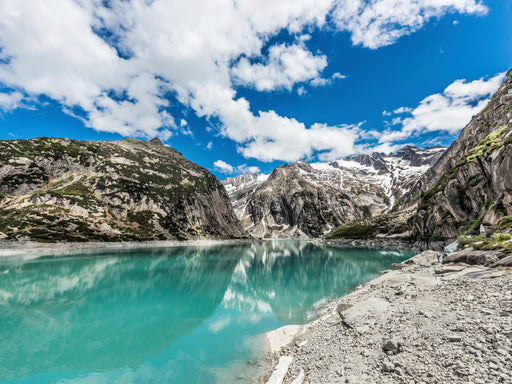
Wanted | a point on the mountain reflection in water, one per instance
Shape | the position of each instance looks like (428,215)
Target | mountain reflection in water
(163,314)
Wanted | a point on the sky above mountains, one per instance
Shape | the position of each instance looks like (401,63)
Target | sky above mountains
(239,85)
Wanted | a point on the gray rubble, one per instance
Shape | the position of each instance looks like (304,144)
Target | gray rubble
(418,325)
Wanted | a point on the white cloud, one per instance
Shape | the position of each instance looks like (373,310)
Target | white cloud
(396,120)
(268,136)
(448,111)
(209,146)
(382,148)
(119,79)
(223,166)
(252,169)
(283,68)
(226,168)
(321,82)
(377,23)
(386,113)
(10,101)
(183,123)
(402,110)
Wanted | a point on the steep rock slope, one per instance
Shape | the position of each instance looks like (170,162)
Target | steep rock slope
(60,189)
(474,191)
(308,200)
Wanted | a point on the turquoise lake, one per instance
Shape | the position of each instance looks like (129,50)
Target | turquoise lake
(166,315)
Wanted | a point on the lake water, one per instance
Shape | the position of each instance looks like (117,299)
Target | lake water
(166,315)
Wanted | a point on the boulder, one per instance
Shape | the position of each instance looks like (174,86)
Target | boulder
(474,257)
(505,262)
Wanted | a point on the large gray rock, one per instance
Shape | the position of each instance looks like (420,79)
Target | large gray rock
(505,262)
(474,257)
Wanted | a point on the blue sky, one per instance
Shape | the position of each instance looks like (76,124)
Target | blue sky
(248,85)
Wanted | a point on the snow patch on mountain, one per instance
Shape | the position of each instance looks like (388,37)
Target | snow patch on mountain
(277,205)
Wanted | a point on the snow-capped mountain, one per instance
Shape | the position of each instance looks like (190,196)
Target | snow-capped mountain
(308,200)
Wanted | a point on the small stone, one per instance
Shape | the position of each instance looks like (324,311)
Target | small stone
(392,346)
(388,367)
(454,338)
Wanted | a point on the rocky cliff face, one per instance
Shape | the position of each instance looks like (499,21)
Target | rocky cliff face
(60,189)
(309,200)
(474,191)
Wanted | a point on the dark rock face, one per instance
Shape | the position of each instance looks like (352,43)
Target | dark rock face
(469,190)
(309,200)
(60,189)
(288,200)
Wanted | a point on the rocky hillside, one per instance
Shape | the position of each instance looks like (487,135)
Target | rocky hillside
(60,189)
(309,200)
(474,192)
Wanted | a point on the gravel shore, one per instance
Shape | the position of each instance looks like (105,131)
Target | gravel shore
(425,323)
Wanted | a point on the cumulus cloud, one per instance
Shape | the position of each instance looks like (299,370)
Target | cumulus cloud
(321,82)
(226,168)
(223,166)
(381,148)
(268,136)
(377,23)
(10,100)
(448,111)
(402,110)
(115,65)
(283,68)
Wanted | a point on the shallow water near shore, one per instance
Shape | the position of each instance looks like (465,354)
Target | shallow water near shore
(166,315)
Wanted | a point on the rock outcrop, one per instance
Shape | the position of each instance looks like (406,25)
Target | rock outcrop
(60,189)
(309,200)
(469,190)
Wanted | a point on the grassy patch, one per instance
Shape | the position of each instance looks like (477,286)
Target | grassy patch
(481,242)
(473,227)
(357,230)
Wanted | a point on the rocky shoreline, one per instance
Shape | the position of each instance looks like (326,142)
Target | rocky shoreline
(424,323)
(386,242)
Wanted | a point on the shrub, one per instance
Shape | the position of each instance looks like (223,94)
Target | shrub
(501,236)
(505,222)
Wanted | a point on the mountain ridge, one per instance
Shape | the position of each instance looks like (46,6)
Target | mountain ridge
(309,200)
(60,189)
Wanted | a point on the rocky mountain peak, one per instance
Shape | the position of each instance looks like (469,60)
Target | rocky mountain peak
(309,199)
(156,142)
